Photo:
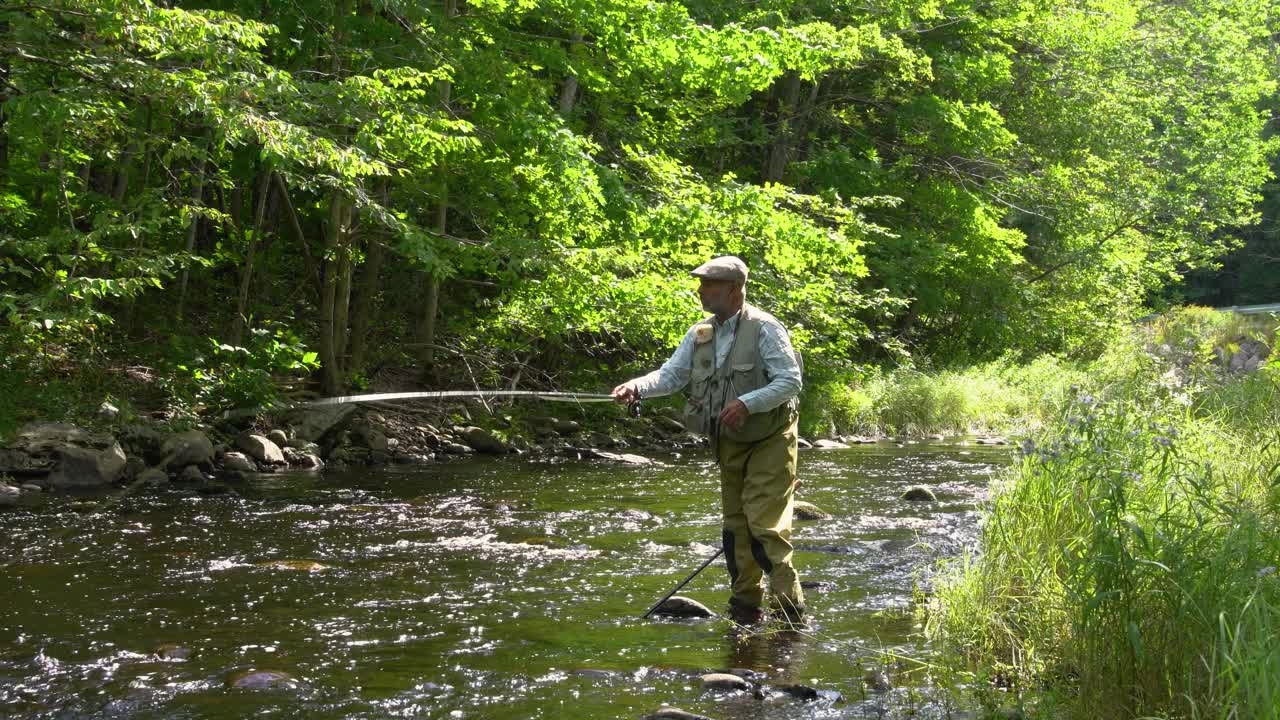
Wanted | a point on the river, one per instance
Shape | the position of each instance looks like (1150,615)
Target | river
(472,589)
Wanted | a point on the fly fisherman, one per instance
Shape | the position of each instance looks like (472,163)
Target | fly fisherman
(743,379)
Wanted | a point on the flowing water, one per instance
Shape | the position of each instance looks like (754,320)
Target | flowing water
(473,589)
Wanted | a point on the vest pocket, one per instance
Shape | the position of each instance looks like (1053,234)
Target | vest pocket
(743,379)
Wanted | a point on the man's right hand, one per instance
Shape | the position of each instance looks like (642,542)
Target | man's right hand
(625,394)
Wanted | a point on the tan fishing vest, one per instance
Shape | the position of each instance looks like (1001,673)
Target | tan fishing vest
(711,388)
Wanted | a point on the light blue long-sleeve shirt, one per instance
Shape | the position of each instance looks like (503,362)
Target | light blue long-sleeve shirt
(774,345)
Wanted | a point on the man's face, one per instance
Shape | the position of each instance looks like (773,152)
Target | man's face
(716,295)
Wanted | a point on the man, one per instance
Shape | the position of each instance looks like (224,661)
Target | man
(743,379)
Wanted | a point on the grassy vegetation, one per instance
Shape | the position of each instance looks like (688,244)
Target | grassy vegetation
(1128,563)
(1001,396)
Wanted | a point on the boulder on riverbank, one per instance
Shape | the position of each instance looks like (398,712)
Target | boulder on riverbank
(187,448)
(67,456)
(260,448)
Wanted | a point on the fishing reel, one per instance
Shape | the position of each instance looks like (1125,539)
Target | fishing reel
(633,408)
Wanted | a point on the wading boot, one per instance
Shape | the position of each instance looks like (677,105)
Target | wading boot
(745,614)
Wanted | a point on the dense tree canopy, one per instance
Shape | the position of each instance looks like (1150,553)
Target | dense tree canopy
(383,181)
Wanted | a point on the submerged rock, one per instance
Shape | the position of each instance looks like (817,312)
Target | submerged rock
(624,458)
(171,651)
(9,495)
(877,681)
(261,680)
(808,511)
(670,713)
(919,494)
(295,565)
(817,585)
(683,607)
(800,692)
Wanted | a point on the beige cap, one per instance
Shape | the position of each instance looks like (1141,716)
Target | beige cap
(725,267)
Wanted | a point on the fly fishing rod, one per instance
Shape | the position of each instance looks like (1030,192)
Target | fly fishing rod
(683,583)
(554,396)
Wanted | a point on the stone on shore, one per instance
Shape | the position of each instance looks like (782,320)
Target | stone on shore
(152,477)
(187,448)
(260,448)
(482,441)
(303,459)
(829,445)
(73,457)
(313,423)
(238,461)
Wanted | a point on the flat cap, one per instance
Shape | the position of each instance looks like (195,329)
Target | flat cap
(725,267)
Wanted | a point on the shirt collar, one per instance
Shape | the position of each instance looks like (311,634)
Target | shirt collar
(731,323)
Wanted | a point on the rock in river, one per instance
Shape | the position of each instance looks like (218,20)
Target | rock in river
(724,681)
(261,680)
(919,494)
(683,607)
(809,511)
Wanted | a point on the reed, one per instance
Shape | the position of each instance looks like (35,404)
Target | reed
(1128,560)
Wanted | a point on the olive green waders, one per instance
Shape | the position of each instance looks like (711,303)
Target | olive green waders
(757,485)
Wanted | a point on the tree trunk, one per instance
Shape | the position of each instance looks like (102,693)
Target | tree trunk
(366,292)
(780,150)
(197,198)
(331,372)
(342,302)
(431,277)
(569,89)
(4,98)
(309,266)
(246,274)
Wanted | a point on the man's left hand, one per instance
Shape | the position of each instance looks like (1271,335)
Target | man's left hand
(734,414)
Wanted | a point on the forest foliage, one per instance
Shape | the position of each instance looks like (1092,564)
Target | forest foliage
(366,183)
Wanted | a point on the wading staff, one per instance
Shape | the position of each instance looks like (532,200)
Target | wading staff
(683,583)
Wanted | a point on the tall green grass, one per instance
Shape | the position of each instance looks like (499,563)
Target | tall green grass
(1128,562)
(1001,396)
